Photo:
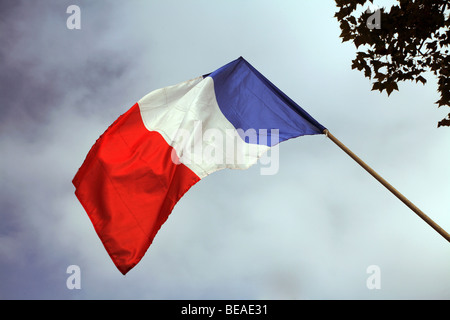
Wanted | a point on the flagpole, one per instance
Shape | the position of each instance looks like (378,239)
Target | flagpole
(400,196)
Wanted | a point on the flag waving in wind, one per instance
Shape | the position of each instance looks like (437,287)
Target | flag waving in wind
(173,137)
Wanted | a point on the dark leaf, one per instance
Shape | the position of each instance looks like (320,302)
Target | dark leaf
(421,79)
(444,122)
(367,72)
(352,20)
(391,86)
(377,86)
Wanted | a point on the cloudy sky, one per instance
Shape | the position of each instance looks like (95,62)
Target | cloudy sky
(309,232)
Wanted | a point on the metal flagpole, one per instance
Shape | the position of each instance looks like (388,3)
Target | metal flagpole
(419,212)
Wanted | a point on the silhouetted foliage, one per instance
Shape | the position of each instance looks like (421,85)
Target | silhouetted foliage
(400,43)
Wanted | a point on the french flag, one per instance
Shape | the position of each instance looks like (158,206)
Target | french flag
(173,137)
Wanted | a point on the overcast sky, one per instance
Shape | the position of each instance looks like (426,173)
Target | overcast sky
(308,232)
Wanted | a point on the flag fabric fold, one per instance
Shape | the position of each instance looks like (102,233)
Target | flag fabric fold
(173,137)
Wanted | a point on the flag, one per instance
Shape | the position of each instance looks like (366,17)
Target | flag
(173,137)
